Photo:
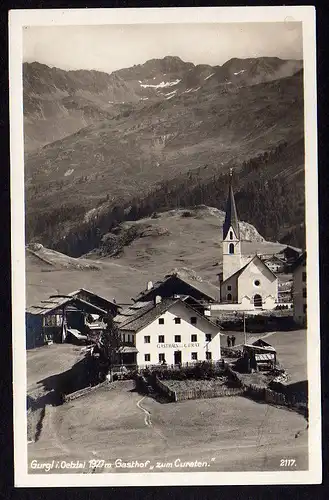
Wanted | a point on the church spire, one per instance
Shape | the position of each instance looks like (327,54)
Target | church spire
(231,216)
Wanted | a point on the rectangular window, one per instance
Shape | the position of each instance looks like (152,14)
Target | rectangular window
(161,339)
(177,338)
(304,308)
(304,276)
(161,357)
(304,293)
(194,320)
(194,338)
(177,321)
(208,355)
(208,337)
(194,356)
(229,287)
(147,357)
(161,321)
(147,339)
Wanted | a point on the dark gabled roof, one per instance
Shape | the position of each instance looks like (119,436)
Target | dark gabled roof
(237,273)
(58,301)
(144,316)
(210,291)
(84,290)
(301,261)
(295,249)
(231,215)
(273,258)
(263,343)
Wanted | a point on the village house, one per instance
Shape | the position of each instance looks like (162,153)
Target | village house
(166,330)
(300,291)
(275,264)
(178,284)
(67,318)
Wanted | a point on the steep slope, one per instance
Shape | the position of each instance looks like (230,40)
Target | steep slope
(206,131)
(58,103)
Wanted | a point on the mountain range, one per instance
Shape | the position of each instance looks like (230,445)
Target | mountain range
(97,141)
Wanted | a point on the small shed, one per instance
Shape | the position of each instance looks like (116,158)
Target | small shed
(260,355)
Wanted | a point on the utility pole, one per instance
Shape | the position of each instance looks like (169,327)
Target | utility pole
(244,327)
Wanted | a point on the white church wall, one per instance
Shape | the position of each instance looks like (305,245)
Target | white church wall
(256,279)
(229,287)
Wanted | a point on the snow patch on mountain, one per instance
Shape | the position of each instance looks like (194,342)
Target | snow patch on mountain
(239,72)
(209,76)
(159,85)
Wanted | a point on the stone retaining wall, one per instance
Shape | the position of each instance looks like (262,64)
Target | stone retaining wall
(82,392)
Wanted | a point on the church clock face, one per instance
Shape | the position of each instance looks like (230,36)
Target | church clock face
(256,282)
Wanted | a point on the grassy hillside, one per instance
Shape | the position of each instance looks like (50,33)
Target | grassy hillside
(124,264)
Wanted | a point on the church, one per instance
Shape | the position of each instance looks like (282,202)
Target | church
(246,283)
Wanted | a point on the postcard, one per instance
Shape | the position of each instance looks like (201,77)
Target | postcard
(165,246)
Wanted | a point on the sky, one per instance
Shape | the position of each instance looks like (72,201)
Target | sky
(111,47)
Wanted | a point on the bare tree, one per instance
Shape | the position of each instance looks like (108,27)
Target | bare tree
(109,345)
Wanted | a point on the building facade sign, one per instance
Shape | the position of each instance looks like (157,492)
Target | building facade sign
(179,345)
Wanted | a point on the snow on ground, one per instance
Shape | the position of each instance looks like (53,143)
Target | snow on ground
(159,85)
(69,172)
(209,76)
(239,72)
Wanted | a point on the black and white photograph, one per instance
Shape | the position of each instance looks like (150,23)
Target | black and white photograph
(165,246)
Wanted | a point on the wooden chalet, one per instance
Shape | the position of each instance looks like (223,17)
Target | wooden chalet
(74,318)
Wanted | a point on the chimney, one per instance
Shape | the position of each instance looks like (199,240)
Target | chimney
(158,299)
(149,285)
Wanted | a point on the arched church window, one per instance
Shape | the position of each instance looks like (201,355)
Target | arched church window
(231,248)
(229,296)
(231,235)
(258,302)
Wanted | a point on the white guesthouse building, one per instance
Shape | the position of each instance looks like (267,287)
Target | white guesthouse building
(167,330)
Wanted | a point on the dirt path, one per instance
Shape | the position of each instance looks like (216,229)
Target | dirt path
(147,417)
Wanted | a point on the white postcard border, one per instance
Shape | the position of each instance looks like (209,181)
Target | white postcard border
(17,20)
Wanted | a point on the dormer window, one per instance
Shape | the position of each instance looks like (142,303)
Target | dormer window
(231,248)
(231,235)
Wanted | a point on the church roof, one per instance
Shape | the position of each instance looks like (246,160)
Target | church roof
(256,257)
(231,216)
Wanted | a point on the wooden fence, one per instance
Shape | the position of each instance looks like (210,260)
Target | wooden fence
(215,392)
(183,395)
(162,387)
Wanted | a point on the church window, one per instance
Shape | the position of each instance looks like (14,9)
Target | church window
(231,235)
(229,296)
(256,282)
(231,248)
(229,287)
(258,302)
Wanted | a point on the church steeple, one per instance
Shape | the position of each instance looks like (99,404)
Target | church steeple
(231,236)
(231,216)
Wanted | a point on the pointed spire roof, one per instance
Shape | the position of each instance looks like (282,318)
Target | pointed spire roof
(231,216)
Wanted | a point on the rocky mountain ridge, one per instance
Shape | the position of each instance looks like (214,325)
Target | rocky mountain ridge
(58,102)
(172,132)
